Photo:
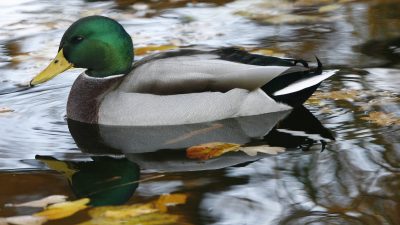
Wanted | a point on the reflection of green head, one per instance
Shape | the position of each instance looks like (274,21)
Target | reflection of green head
(99,44)
(106,181)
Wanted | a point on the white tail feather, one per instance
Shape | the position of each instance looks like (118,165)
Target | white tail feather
(304,83)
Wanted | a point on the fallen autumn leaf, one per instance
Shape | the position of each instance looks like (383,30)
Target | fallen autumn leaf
(44,202)
(63,209)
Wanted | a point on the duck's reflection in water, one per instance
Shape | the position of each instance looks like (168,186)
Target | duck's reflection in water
(162,148)
(109,180)
(105,180)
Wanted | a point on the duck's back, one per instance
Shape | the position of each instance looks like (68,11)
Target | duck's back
(190,86)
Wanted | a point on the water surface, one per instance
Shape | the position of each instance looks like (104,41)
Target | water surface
(354,180)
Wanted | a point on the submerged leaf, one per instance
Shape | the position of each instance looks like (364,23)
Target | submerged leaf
(64,209)
(382,119)
(23,220)
(210,150)
(41,202)
(151,48)
(156,218)
(153,213)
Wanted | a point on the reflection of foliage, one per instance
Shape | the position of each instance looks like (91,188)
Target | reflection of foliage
(384,19)
(382,119)
(335,95)
(360,97)
(162,4)
(287,12)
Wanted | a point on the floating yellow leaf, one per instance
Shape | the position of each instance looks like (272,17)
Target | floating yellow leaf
(64,209)
(125,211)
(59,166)
(152,213)
(382,119)
(170,200)
(329,8)
(41,202)
(268,52)
(210,150)
(145,219)
(151,48)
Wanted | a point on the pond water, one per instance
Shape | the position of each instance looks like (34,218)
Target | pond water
(336,161)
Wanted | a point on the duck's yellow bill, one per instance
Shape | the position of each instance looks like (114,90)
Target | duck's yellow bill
(57,66)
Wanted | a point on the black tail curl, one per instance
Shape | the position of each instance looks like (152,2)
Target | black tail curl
(291,76)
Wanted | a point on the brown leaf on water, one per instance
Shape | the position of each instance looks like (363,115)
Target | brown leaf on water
(382,119)
(216,149)
(63,209)
(210,150)
(153,48)
(5,110)
(349,95)
(152,213)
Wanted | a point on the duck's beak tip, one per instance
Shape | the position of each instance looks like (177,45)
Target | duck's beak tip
(57,66)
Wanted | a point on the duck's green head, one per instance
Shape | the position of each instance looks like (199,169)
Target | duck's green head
(97,43)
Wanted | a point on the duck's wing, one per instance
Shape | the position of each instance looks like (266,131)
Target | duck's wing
(190,71)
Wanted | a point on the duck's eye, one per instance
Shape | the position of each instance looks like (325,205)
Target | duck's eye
(77,39)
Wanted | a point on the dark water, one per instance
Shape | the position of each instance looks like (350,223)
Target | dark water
(354,179)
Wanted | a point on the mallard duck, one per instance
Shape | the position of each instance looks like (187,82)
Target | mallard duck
(177,87)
